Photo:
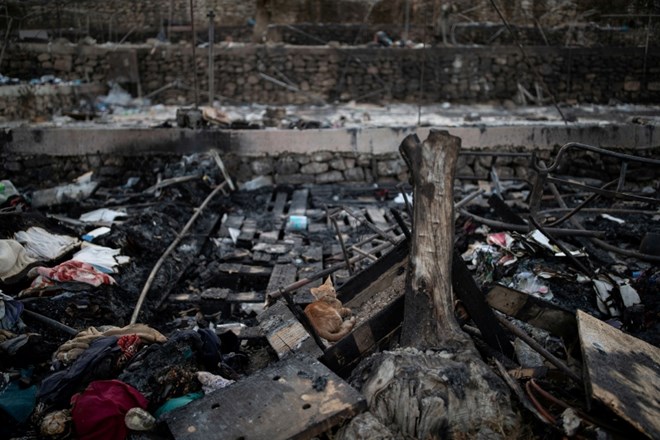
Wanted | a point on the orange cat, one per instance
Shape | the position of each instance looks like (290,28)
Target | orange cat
(326,313)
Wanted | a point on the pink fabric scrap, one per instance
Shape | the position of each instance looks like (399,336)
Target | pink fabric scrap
(70,271)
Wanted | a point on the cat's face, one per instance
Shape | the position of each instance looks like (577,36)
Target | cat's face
(325,289)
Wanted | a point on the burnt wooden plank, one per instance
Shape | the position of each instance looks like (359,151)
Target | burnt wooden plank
(278,206)
(313,258)
(377,217)
(245,332)
(272,248)
(466,289)
(261,257)
(623,372)
(241,277)
(269,237)
(503,210)
(378,329)
(293,399)
(228,295)
(299,202)
(184,255)
(248,231)
(373,334)
(282,276)
(245,270)
(535,311)
(362,281)
(285,334)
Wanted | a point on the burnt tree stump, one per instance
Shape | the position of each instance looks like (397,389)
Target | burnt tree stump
(436,385)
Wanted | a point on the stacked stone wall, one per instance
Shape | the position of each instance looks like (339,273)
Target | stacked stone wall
(278,74)
(316,167)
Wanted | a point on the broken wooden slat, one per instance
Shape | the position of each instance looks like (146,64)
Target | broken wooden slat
(623,372)
(278,207)
(299,202)
(186,254)
(503,210)
(535,311)
(466,289)
(376,330)
(275,248)
(345,354)
(228,295)
(313,258)
(285,333)
(294,399)
(282,276)
(248,231)
(238,276)
(377,217)
(269,237)
(244,270)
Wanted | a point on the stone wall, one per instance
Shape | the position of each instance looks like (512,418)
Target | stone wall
(327,74)
(41,102)
(321,167)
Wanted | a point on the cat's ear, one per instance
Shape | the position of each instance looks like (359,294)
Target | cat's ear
(315,292)
(328,283)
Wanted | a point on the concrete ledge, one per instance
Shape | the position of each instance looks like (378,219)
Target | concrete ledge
(127,142)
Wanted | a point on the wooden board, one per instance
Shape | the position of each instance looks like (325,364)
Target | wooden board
(378,218)
(285,334)
(230,296)
(313,258)
(282,276)
(295,399)
(248,231)
(345,354)
(535,311)
(241,277)
(278,207)
(466,290)
(623,372)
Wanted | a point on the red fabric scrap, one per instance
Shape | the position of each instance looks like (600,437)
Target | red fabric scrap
(98,412)
(71,270)
(130,345)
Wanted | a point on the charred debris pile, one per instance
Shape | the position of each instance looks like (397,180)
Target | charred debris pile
(171,305)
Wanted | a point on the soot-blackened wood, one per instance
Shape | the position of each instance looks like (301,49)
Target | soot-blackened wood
(436,385)
(428,315)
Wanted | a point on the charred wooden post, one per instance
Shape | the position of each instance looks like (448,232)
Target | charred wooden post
(437,385)
(428,315)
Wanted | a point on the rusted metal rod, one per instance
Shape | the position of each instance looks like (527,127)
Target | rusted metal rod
(369,225)
(537,347)
(523,228)
(343,246)
(601,243)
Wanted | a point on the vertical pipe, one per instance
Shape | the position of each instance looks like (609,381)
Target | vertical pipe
(194,53)
(406,28)
(211,16)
